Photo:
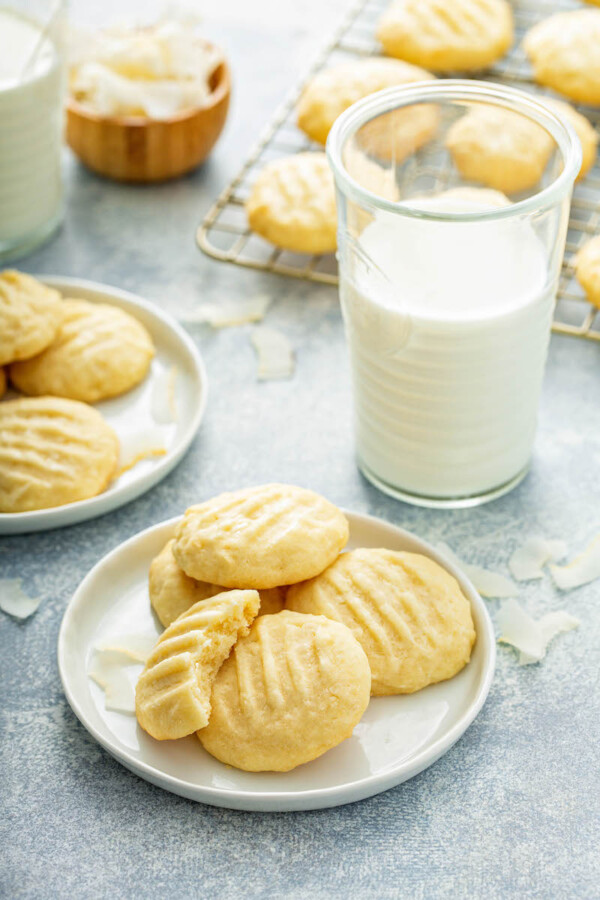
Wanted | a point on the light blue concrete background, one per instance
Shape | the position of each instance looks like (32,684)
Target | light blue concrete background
(510,811)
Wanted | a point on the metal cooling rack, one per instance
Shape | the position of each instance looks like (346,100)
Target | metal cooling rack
(224,232)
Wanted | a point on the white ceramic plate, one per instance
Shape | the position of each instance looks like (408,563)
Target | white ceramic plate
(138,416)
(397,737)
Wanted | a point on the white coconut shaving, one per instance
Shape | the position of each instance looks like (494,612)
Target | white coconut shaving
(527,562)
(144,443)
(583,569)
(14,600)
(134,647)
(528,636)
(487,583)
(108,672)
(163,406)
(275,353)
(229,313)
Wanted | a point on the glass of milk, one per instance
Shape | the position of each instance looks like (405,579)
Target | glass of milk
(31,87)
(447,291)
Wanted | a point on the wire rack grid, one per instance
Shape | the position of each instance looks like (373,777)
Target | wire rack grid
(224,233)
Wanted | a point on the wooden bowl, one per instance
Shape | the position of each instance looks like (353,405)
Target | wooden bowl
(132,148)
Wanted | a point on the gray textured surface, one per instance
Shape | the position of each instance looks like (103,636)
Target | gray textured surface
(512,808)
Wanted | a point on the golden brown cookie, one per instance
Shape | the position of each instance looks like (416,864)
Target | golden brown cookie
(499,148)
(585,131)
(331,91)
(295,687)
(30,315)
(261,537)
(292,204)
(172,696)
(459,36)
(2,381)
(408,614)
(172,592)
(100,351)
(53,451)
(587,269)
(563,51)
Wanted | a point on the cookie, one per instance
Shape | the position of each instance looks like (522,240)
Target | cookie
(333,90)
(2,381)
(408,614)
(461,36)
(53,451)
(295,687)
(261,537)
(499,148)
(99,351)
(172,592)
(585,131)
(30,315)
(587,269)
(292,204)
(172,695)
(563,51)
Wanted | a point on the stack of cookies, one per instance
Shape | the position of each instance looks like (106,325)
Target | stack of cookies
(275,639)
(64,354)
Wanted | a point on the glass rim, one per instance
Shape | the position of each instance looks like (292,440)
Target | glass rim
(509,98)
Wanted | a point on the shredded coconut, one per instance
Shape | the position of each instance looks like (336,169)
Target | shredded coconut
(275,353)
(14,601)
(527,561)
(229,313)
(528,636)
(162,401)
(488,584)
(583,569)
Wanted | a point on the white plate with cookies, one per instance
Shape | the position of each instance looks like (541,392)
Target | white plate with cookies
(123,444)
(391,740)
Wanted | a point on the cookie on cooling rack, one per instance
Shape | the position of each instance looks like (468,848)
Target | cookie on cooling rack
(407,613)
(585,131)
(53,451)
(99,351)
(30,315)
(172,696)
(333,90)
(564,54)
(499,148)
(587,269)
(462,36)
(172,592)
(292,204)
(295,687)
(261,537)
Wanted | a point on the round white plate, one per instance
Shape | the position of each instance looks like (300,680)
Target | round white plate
(163,412)
(397,737)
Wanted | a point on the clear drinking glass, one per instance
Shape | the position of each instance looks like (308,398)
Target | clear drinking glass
(32,55)
(447,286)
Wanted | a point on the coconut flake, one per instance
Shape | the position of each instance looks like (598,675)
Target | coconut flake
(583,569)
(162,400)
(487,583)
(228,314)
(141,444)
(528,636)
(14,601)
(135,647)
(109,674)
(275,353)
(527,561)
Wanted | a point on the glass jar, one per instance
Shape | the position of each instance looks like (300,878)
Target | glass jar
(31,102)
(447,286)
